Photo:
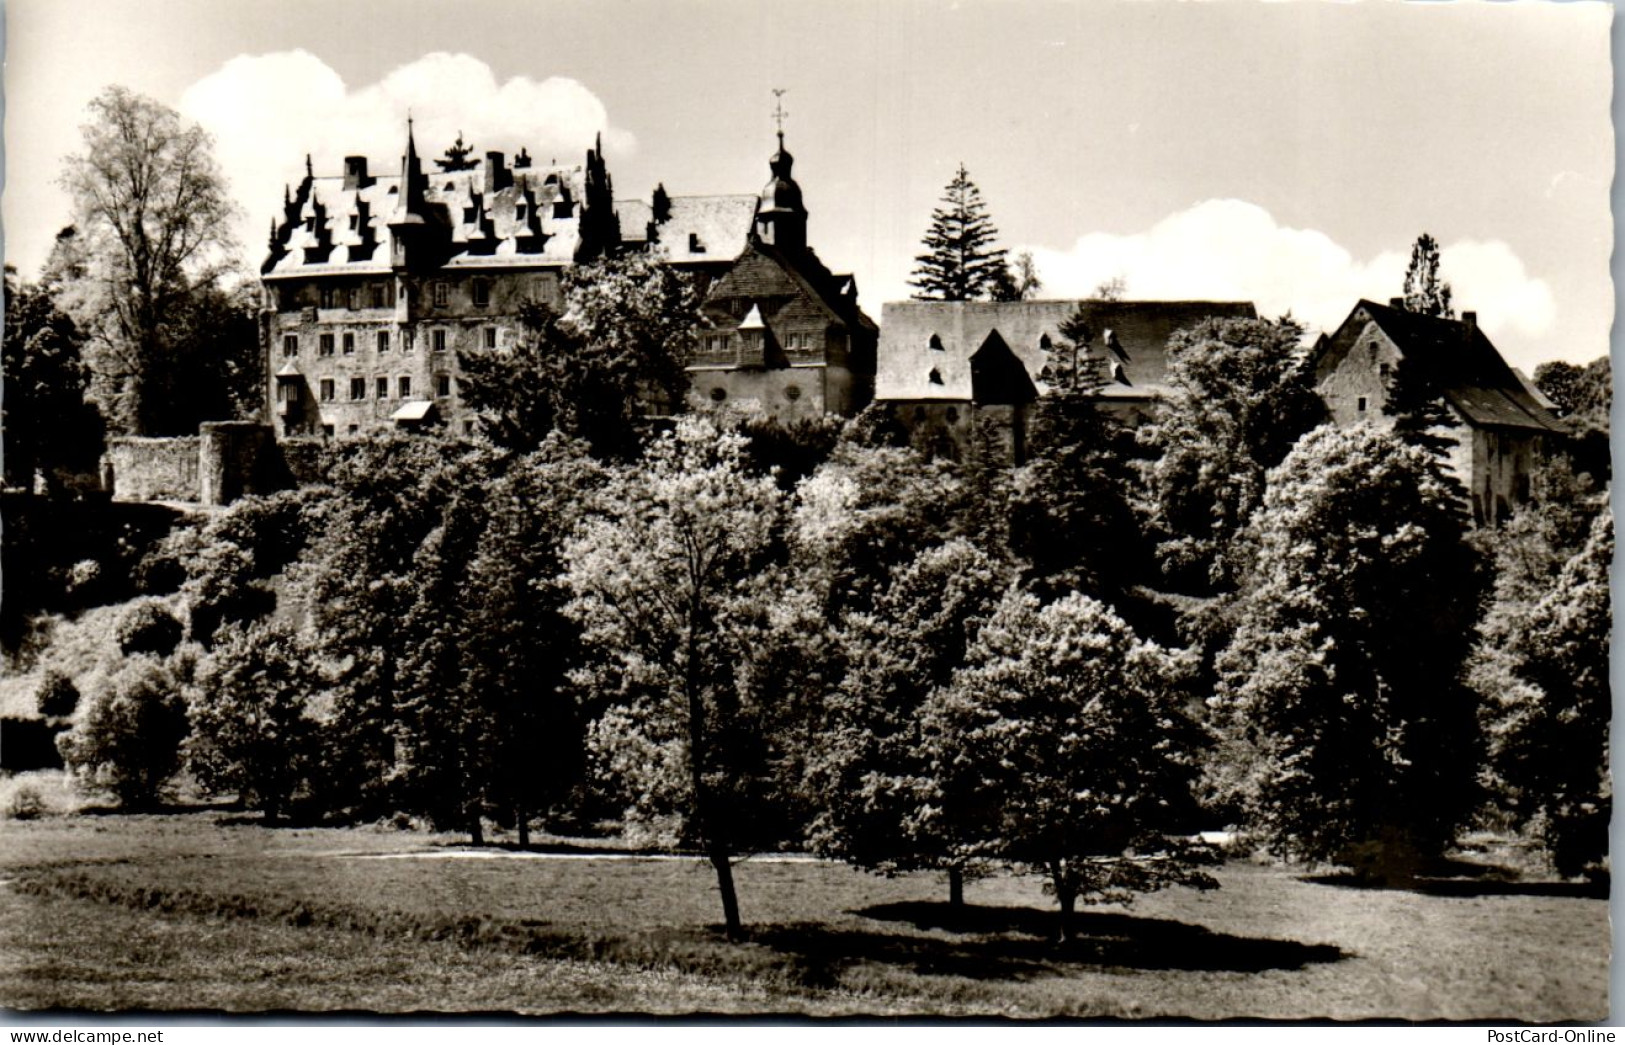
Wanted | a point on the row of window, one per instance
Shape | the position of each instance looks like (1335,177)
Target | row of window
(328,388)
(382,295)
(325,343)
(795,342)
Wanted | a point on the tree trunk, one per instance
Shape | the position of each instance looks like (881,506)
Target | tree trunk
(1068,899)
(956,887)
(730,899)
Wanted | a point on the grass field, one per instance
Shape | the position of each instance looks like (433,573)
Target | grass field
(195,911)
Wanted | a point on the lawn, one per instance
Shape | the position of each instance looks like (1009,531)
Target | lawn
(196,911)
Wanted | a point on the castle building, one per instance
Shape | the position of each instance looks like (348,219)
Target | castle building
(373,284)
(781,333)
(1502,429)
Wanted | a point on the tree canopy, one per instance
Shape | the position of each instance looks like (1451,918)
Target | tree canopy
(151,216)
(48,427)
(960,262)
(1349,733)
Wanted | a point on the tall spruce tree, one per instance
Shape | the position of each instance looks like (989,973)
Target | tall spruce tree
(960,262)
(1425,292)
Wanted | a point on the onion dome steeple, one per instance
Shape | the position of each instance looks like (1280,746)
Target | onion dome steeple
(781,220)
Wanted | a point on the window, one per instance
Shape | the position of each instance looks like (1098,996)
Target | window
(490,337)
(468,426)
(1359,404)
(440,295)
(935,344)
(381,387)
(327,431)
(439,339)
(355,222)
(935,377)
(290,344)
(358,388)
(718,394)
(349,343)
(694,244)
(519,212)
(383,341)
(953,415)
(405,386)
(792,392)
(379,295)
(327,344)
(1044,342)
(355,298)
(442,385)
(327,390)
(470,215)
(329,297)
(482,292)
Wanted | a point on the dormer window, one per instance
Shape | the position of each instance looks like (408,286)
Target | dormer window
(355,222)
(470,215)
(935,345)
(935,377)
(519,212)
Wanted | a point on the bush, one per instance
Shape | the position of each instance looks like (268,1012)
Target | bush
(149,627)
(130,738)
(57,696)
(23,803)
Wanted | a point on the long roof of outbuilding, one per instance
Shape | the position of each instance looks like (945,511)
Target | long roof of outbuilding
(919,338)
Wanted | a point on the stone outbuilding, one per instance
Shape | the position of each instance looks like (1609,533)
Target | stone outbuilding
(946,366)
(1503,428)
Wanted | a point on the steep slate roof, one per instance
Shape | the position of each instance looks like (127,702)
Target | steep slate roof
(1139,329)
(1456,358)
(804,269)
(719,225)
(496,238)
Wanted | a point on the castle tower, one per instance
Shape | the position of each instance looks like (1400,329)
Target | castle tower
(781,220)
(410,220)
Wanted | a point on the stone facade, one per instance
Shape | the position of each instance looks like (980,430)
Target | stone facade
(373,284)
(141,468)
(1502,428)
(782,333)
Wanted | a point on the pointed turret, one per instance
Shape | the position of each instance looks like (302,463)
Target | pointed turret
(413,224)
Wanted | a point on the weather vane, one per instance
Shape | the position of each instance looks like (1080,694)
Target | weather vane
(778,109)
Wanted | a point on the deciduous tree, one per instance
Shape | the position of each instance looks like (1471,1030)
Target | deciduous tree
(1238,399)
(48,427)
(670,582)
(151,216)
(1063,750)
(1349,732)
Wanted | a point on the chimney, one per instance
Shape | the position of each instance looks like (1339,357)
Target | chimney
(1469,327)
(1398,303)
(497,175)
(355,173)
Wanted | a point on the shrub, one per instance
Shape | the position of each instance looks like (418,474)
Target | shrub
(149,627)
(130,738)
(57,696)
(23,803)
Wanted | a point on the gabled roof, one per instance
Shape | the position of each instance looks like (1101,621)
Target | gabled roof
(749,278)
(1453,356)
(1133,335)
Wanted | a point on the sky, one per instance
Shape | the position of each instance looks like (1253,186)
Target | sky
(1286,153)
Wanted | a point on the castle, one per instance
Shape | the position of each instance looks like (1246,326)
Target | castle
(373,284)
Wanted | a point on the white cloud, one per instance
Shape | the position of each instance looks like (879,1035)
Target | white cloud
(267,111)
(1233,250)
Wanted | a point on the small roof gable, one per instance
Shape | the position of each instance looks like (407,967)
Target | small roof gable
(1457,358)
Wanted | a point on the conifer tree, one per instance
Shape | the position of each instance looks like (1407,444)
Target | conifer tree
(1425,292)
(960,262)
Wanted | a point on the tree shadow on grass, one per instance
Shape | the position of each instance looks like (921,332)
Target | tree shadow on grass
(1018,943)
(1465,887)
